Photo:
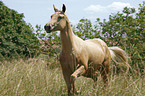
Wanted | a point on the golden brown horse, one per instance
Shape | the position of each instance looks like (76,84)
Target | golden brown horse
(82,57)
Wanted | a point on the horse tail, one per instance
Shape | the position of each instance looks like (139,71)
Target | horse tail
(119,56)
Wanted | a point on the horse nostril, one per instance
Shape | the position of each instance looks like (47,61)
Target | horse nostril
(47,27)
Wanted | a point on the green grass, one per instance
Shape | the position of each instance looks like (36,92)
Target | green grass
(38,77)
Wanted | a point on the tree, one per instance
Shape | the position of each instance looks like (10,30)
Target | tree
(86,30)
(16,37)
(50,43)
(127,30)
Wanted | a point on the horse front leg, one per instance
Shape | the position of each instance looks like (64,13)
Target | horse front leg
(80,71)
(66,76)
(70,84)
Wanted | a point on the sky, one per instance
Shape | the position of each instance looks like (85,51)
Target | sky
(39,11)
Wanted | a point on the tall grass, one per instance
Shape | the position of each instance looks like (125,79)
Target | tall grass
(38,77)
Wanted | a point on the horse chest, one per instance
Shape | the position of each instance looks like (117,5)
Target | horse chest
(67,58)
(68,62)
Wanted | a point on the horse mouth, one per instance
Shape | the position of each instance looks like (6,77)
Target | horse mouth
(48,31)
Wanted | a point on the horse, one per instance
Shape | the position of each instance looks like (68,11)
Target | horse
(82,57)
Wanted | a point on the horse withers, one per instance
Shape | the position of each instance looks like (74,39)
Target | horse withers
(82,57)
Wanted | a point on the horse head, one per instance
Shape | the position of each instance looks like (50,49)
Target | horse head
(58,20)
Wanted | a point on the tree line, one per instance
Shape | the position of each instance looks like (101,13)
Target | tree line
(16,36)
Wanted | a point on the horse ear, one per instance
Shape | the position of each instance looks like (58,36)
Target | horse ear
(55,9)
(63,8)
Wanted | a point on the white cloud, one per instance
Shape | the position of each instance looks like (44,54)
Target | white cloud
(115,6)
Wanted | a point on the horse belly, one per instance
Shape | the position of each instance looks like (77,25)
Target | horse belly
(96,57)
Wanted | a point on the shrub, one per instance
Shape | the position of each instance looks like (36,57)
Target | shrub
(15,35)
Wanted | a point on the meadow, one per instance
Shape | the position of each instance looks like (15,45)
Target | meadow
(43,77)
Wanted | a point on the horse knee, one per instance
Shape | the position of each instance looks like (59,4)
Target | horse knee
(72,78)
(80,71)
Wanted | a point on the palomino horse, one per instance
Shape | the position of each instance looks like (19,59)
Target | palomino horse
(82,57)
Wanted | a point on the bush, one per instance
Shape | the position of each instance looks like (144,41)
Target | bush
(126,30)
(15,35)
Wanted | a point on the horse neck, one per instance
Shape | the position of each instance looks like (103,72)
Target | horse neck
(67,39)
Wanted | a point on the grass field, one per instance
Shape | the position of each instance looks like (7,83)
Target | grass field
(38,77)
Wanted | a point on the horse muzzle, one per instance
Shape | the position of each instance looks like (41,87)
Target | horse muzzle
(48,28)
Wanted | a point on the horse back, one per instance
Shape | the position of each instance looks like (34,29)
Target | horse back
(98,42)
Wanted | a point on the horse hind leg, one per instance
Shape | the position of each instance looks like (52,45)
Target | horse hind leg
(105,72)
(94,77)
(91,73)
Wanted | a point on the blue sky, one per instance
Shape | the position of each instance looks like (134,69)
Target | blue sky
(39,11)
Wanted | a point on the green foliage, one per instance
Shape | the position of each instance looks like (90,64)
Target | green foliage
(15,35)
(126,29)
(86,30)
(50,43)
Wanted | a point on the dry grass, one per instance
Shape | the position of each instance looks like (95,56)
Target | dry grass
(37,77)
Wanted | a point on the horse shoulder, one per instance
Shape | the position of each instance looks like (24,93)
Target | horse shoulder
(78,46)
(80,51)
